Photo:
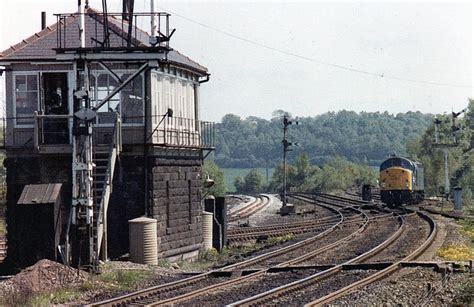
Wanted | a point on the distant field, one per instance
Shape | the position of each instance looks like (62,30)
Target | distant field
(231,173)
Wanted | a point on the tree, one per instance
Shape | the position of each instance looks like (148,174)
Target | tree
(461,157)
(212,170)
(239,184)
(358,137)
(253,182)
(303,170)
(337,174)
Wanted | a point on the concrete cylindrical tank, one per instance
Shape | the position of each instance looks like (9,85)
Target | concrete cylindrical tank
(143,240)
(207,230)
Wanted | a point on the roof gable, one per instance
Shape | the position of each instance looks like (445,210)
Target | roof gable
(40,45)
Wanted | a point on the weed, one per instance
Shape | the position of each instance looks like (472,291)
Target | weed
(21,298)
(209,255)
(124,279)
(164,263)
(458,252)
(468,227)
(59,296)
(281,239)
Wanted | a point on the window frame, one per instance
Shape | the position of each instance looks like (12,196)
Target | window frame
(38,95)
(120,73)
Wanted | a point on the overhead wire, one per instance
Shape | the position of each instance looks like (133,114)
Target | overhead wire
(306,58)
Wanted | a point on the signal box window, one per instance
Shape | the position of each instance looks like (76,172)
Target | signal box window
(26,98)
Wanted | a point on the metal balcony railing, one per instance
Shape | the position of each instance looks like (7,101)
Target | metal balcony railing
(51,129)
(47,131)
(184,132)
(112,31)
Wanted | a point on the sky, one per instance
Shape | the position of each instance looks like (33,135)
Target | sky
(306,57)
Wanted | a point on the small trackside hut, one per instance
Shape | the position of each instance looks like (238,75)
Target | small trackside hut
(108,115)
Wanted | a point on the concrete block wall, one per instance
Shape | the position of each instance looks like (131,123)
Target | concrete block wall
(174,199)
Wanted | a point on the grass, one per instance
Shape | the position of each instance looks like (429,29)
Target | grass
(59,296)
(468,228)
(123,279)
(231,173)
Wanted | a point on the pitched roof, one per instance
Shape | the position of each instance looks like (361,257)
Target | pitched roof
(40,45)
(40,194)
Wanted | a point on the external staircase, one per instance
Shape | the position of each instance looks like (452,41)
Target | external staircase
(89,214)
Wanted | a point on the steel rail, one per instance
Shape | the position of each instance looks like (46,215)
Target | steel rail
(201,291)
(374,277)
(336,197)
(246,234)
(295,229)
(243,205)
(262,201)
(289,248)
(280,226)
(266,297)
(142,294)
(145,296)
(317,252)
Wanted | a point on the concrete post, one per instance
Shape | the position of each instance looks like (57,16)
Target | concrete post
(457,198)
(446,172)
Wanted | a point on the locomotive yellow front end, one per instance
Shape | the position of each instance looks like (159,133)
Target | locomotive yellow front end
(396,178)
(399,178)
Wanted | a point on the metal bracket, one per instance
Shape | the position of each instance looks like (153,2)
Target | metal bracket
(80,201)
(81,166)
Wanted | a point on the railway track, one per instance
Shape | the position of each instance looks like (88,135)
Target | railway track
(193,298)
(383,273)
(237,235)
(196,286)
(335,276)
(270,271)
(256,205)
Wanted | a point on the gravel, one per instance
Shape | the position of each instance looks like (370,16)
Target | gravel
(322,288)
(375,233)
(159,276)
(415,233)
(409,287)
(249,288)
(43,275)
(271,214)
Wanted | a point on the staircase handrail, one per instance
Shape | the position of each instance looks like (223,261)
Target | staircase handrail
(114,151)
